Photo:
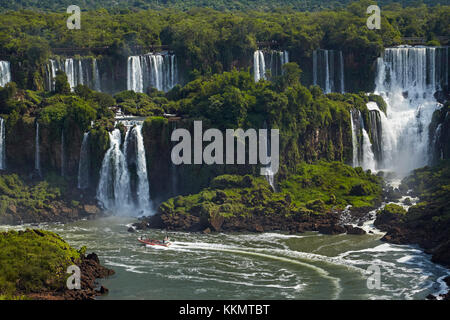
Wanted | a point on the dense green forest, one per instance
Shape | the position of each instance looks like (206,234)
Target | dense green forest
(210,41)
(223,5)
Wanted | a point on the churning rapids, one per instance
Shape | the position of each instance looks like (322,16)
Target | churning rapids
(252,266)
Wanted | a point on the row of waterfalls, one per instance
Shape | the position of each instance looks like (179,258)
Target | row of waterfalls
(328,67)
(158,70)
(83,71)
(396,140)
(328,70)
(267,64)
(407,79)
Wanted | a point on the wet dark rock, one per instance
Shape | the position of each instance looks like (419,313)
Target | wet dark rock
(354,230)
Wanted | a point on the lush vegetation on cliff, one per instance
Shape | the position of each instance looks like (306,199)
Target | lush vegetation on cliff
(33,261)
(432,186)
(212,41)
(316,189)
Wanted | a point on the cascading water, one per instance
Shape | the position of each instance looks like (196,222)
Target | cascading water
(158,70)
(325,73)
(2,145)
(407,78)
(268,61)
(84,164)
(79,71)
(37,155)
(143,191)
(115,190)
(70,72)
(5,73)
(355,147)
(363,155)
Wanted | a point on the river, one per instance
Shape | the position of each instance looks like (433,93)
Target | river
(252,266)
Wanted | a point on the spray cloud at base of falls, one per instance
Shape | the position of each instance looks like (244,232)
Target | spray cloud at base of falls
(158,70)
(328,70)
(5,73)
(123,187)
(268,62)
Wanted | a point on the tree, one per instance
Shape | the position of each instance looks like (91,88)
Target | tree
(61,84)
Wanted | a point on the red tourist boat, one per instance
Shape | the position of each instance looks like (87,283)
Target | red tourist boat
(154,242)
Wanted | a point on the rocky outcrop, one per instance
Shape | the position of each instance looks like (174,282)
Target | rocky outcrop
(91,270)
(59,211)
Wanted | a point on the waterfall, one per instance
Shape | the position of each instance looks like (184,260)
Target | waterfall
(2,145)
(259,65)
(78,70)
(84,164)
(63,157)
(363,155)
(407,78)
(97,81)
(114,190)
(70,72)
(268,62)
(158,70)
(325,73)
(5,73)
(368,161)
(375,130)
(134,74)
(37,156)
(143,191)
(354,141)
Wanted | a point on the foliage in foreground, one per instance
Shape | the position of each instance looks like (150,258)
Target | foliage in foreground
(33,261)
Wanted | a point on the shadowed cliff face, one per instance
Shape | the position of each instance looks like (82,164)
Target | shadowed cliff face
(167,179)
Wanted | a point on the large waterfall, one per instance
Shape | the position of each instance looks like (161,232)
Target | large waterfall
(84,164)
(115,191)
(5,73)
(407,78)
(158,70)
(79,71)
(2,145)
(328,70)
(268,62)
